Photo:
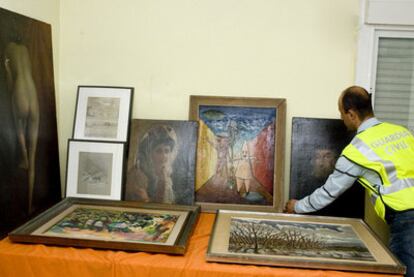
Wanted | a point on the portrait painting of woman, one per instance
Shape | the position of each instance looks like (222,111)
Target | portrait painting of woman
(161,161)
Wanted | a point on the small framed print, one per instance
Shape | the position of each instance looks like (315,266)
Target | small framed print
(102,113)
(95,169)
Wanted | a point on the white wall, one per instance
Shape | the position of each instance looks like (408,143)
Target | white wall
(300,50)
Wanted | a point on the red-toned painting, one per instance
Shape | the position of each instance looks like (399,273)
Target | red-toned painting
(237,153)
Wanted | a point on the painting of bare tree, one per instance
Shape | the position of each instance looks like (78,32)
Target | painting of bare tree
(296,239)
(302,241)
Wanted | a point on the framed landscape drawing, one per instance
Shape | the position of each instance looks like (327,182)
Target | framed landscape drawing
(95,169)
(240,152)
(119,225)
(102,113)
(316,145)
(161,161)
(334,243)
(29,154)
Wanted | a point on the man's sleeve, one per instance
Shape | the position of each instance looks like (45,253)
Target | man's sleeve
(343,177)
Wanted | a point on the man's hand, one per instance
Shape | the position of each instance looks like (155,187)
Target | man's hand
(290,206)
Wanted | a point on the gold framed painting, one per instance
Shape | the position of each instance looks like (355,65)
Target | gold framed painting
(119,225)
(240,152)
(303,241)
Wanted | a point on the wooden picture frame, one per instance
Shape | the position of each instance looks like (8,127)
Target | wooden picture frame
(102,113)
(303,241)
(95,169)
(240,152)
(118,225)
(161,161)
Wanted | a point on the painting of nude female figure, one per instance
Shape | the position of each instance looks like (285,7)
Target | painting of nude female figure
(29,164)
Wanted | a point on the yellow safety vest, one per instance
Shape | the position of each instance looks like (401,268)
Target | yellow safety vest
(388,150)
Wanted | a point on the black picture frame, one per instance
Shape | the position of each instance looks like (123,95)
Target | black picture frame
(102,113)
(95,169)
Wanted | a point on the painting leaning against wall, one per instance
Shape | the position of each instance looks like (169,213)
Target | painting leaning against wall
(161,161)
(239,151)
(316,145)
(29,161)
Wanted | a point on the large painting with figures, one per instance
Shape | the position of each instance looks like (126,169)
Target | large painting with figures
(29,161)
(302,241)
(240,153)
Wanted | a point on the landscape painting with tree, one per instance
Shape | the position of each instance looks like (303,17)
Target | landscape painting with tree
(273,237)
(303,241)
(237,151)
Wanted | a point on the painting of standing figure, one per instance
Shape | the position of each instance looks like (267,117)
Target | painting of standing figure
(29,163)
(316,145)
(161,161)
(239,151)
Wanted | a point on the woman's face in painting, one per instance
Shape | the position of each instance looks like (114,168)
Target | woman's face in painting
(161,155)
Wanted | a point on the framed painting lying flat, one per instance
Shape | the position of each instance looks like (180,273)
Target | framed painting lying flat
(335,243)
(240,152)
(120,225)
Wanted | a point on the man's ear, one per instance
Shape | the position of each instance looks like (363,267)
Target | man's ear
(353,116)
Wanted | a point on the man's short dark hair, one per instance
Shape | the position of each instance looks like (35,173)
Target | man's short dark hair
(359,100)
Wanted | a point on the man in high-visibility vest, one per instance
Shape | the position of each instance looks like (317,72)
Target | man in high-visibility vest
(381,158)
